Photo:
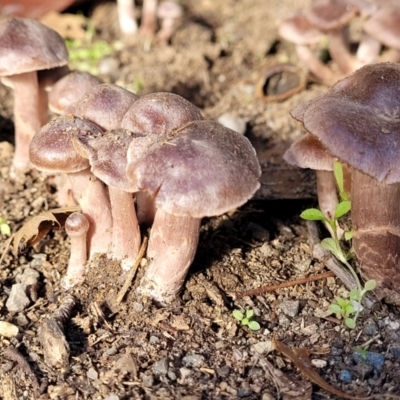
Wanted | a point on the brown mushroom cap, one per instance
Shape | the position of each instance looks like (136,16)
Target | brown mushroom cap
(105,105)
(27,45)
(202,169)
(384,26)
(327,15)
(159,113)
(358,120)
(107,154)
(71,88)
(51,149)
(308,152)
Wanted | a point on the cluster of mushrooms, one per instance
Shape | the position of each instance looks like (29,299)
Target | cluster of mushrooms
(158,149)
(330,20)
(358,123)
(131,162)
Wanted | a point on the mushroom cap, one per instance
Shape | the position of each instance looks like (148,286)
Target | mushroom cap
(105,105)
(169,9)
(358,120)
(328,15)
(202,169)
(27,45)
(384,26)
(51,149)
(71,88)
(298,30)
(308,152)
(107,154)
(159,113)
(76,224)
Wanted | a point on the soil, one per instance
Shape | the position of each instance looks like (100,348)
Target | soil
(194,348)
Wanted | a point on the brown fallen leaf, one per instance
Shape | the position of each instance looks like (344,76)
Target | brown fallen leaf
(300,358)
(40,225)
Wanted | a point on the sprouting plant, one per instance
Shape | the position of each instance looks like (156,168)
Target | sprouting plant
(4,227)
(349,308)
(362,351)
(246,319)
(86,54)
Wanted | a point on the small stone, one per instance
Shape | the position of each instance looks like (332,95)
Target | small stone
(111,396)
(346,376)
(17,300)
(375,360)
(232,121)
(290,307)
(161,366)
(185,372)
(154,340)
(223,371)
(147,380)
(171,375)
(92,374)
(244,392)
(29,277)
(195,360)
(395,353)
(7,329)
(262,347)
(370,329)
(319,363)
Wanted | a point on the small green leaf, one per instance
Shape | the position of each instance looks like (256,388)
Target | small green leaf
(249,314)
(354,294)
(313,214)
(370,285)
(245,321)
(349,309)
(237,315)
(335,309)
(349,235)
(330,244)
(342,208)
(342,302)
(350,323)
(254,325)
(5,229)
(338,172)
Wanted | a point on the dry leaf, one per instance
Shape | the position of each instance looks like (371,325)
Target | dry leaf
(300,358)
(40,225)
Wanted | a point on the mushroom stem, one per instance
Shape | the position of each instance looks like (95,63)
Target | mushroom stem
(76,227)
(327,195)
(316,66)
(339,52)
(26,118)
(126,17)
(125,232)
(145,208)
(172,247)
(92,196)
(149,18)
(375,216)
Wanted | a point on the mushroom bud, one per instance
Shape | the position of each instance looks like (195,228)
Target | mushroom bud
(76,226)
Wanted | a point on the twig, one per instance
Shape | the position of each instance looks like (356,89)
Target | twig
(270,288)
(132,273)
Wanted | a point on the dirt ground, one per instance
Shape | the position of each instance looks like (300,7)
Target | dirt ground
(194,348)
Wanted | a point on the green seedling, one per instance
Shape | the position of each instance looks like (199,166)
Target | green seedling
(348,308)
(4,227)
(246,319)
(86,54)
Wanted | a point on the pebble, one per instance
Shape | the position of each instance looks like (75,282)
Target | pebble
(92,374)
(161,367)
(375,360)
(7,329)
(262,347)
(395,353)
(223,371)
(195,360)
(346,376)
(290,307)
(244,392)
(17,300)
(370,329)
(29,277)
(319,363)
(232,121)
(111,396)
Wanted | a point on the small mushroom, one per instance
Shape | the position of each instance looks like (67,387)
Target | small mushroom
(168,11)
(52,152)
(333,17)
(76,226)
(148,25)
(27,46)
(358,122)
(126,17)
(202,169)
